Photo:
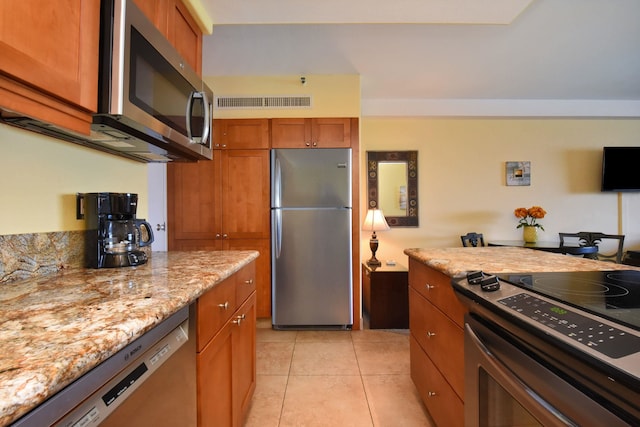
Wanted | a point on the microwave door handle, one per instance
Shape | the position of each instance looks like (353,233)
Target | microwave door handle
(206,127)
(188,115)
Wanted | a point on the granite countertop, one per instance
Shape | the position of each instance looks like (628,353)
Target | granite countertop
(56,328)
(457,261)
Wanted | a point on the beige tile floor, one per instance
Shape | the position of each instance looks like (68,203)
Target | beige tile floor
(334,378)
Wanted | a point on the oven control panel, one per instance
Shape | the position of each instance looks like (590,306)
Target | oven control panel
(607,339)
(594,336)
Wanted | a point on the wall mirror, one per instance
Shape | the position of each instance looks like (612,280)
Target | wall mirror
(392,186)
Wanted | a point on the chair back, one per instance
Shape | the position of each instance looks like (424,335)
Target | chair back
(472,239)
(586,238)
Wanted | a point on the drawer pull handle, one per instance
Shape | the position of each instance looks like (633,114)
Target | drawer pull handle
(431,334)
(432,394)
(224,306)
(239,319)
(249,282)
(429,287)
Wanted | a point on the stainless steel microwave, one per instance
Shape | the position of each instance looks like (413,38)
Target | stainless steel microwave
(152,106)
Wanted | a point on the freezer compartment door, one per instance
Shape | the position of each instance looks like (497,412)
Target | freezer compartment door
(311,178)
(311,268)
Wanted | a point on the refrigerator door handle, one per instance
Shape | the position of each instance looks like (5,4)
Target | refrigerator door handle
(278,232)
(277,185)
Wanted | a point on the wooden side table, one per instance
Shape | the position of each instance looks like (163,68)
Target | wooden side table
(385,294)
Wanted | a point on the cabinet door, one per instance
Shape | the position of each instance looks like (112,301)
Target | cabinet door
(244,359)
(262,272)
(331,133)
(311,133)
(215,380)
(53,50)
(241,134)
(184,34)
(440,338)
(443,404)
(245,194)
(193,203)
(291,133)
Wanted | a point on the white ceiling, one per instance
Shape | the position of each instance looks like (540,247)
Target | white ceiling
(560,50)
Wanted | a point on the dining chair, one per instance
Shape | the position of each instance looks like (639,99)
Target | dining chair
(586,238)
(472,240)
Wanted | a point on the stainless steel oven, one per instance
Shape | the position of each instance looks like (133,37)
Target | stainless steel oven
(532,360)
(505,386)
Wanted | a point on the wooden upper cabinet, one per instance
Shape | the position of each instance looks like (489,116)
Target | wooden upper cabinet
(241,134)
(175,22)
(49,60)
(219,199)
(311,133)
(245,194)
(185,35)
(193,202)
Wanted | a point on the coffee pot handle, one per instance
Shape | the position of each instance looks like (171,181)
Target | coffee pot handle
(140,223)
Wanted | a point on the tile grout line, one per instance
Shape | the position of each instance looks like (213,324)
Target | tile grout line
(364,389)
(286,386)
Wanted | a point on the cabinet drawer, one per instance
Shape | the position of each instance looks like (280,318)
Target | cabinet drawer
(440,337)
(443,404)
(246,282)
(436,287)
(214,308)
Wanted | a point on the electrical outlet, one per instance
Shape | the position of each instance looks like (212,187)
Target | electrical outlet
(79,206)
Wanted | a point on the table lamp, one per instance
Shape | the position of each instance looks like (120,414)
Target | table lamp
(374,221)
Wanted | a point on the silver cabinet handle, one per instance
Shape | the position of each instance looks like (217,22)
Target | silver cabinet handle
(224,306)
(431,334)
(239,319)
(429,287)
(249,282)
(432,394)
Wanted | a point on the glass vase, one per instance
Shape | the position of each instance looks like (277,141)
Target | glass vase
(530,234)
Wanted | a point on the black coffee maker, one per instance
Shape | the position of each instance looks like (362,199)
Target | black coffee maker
(114,235)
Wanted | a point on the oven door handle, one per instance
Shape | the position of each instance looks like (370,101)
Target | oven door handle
(543,411)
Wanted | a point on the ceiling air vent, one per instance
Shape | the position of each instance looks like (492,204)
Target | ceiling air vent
(235,102)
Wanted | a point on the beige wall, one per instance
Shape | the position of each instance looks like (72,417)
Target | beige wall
(462,177)
(39,177)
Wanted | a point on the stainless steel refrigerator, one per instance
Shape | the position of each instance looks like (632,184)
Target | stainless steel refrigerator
(311,239)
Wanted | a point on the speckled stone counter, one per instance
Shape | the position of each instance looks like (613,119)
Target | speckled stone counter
(457,261)
(55,328)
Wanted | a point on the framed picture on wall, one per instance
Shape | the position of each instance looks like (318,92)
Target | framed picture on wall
(518,173)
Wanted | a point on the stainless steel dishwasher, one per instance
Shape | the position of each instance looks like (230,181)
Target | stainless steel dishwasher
(150,382)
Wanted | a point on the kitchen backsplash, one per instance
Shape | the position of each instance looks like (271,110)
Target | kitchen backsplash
(24,256)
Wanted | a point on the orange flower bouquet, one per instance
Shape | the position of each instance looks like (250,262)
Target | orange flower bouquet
(529,217)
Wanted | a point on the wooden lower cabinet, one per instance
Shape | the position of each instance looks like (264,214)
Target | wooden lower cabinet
(444,405)
(437,343)
(226,363)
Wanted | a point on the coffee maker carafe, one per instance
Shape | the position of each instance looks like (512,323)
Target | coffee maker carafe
(114,234)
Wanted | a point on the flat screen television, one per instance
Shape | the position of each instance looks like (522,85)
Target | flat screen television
(621,169)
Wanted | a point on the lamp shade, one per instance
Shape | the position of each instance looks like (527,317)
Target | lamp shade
(374,221)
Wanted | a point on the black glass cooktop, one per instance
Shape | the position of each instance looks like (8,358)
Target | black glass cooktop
(614,294)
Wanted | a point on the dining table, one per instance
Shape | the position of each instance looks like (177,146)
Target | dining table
(550,246)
